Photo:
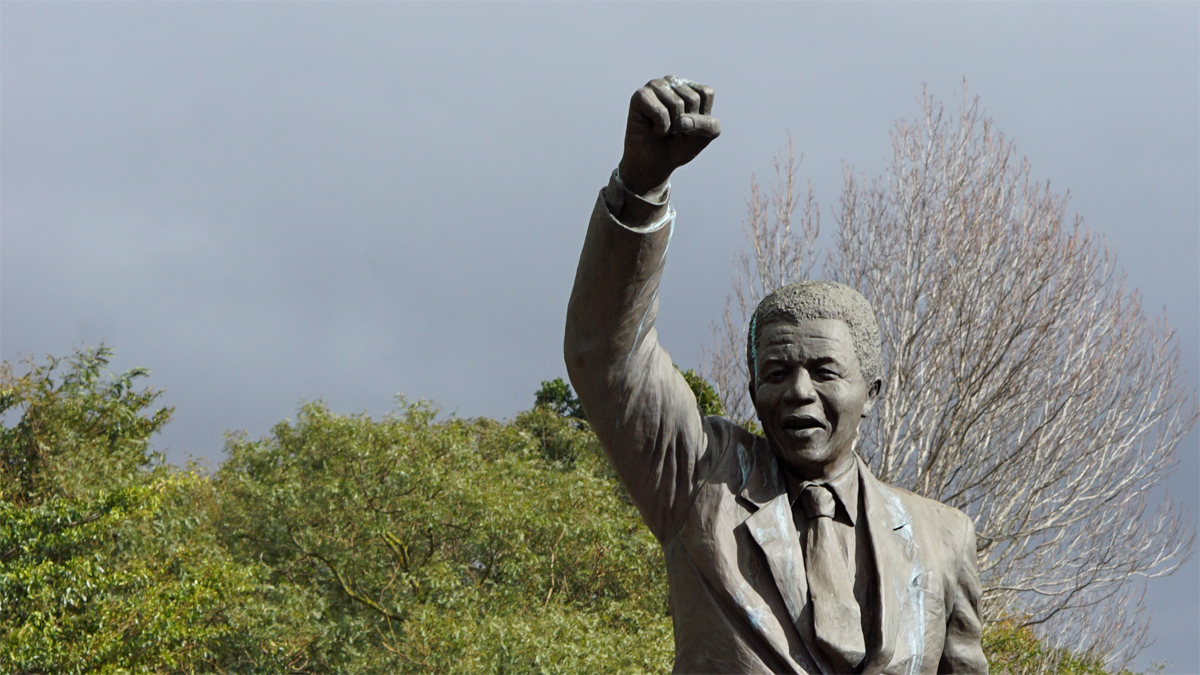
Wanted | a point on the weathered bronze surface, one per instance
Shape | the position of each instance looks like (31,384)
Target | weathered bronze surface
(784,553)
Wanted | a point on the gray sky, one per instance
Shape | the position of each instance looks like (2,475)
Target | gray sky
(269,203)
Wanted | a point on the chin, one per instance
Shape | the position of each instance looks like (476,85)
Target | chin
(805,457)
(808,460)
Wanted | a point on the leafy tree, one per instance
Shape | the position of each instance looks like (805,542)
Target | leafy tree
(706,396)
(105,563)
(1013,648)
(1024,383)
(79,432)
(464,545)
(557,395)
(336,544)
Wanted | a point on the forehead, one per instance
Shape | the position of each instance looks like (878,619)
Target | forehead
(808,338)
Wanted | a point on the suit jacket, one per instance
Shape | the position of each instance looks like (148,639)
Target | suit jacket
(714,496)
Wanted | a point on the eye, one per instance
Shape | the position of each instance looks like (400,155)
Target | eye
(775,375)
(826,374)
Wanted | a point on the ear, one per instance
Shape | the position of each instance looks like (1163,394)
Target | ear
(872,395)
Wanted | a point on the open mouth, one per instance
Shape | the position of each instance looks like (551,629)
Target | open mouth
(802,423)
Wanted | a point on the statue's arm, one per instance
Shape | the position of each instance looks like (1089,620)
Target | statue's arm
(963,651)
(639,406)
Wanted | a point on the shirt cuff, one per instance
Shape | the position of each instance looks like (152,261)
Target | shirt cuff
(637,212)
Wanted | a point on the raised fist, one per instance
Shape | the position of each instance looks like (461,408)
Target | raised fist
(670,122)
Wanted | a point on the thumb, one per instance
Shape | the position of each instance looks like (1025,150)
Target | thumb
(695,124)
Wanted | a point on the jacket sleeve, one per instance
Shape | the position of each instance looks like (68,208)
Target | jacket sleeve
(638,404)
(963,651)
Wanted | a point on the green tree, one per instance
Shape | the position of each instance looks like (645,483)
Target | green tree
(79,432)
(1013,648)
(706,395)
(105,562)
(557,395)
(464,545)
(336,544)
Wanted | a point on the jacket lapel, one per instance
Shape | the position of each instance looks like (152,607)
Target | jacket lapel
(774,530)
(889,527)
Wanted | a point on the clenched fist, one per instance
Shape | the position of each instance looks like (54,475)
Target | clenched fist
(670,122)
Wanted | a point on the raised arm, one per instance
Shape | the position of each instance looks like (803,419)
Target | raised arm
(639,406)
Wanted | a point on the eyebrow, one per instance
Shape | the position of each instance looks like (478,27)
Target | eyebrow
(816,361)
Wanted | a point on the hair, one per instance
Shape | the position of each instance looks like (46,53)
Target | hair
(819,300)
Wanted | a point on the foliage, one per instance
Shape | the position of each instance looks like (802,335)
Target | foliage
(336,544)
(706,396)
(105,565)
(79,433)
(466,545)
(557,395)
(1023,382)
(127,585)
(1012,648)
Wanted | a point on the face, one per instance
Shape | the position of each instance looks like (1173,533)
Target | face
(810,394)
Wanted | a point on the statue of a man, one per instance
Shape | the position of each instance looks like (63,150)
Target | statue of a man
(784,553)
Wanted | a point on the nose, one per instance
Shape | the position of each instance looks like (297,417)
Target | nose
(801,387)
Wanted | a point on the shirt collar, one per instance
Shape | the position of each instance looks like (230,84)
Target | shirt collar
(844,487)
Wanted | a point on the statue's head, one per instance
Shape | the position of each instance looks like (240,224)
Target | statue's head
(813,353)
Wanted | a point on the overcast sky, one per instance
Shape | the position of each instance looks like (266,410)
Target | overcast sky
(270,203)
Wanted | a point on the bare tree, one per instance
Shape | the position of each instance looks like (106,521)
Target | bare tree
(1023,382)
(781,255)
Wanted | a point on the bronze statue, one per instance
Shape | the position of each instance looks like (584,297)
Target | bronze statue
(784,553)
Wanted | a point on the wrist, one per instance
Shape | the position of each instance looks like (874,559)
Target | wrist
(639,182)
(634,210)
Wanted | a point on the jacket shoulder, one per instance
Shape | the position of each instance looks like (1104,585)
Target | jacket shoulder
(734,453)
(932,515)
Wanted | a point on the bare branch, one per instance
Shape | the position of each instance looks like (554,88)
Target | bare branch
(1023,382)
(782,253)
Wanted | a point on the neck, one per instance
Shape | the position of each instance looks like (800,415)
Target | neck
(821,473)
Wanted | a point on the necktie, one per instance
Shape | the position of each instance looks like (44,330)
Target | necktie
(837,620)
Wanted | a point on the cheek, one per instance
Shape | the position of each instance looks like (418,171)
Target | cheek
(766,403)
(842,407)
